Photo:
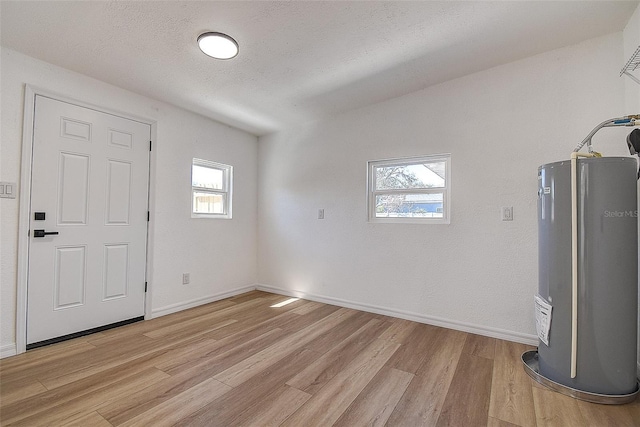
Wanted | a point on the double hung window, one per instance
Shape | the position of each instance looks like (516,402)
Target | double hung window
(211,188)
(413,189)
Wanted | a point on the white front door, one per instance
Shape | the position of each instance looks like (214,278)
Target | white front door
(89,187)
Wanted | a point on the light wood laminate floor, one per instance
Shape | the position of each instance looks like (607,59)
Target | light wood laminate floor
(241,362)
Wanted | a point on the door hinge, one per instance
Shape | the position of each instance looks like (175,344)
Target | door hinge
(147,216)
(150,142)
(145,286)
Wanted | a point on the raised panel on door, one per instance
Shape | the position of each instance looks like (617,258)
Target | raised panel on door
(118,192)
(70,277)
(116,271)
(75,129)
(120,139)
(73,188)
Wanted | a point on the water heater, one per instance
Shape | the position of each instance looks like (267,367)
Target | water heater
(591,346)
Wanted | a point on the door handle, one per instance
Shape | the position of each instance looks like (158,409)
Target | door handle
(42,233)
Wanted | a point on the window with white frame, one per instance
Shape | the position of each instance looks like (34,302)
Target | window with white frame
(211,188)
(415,189)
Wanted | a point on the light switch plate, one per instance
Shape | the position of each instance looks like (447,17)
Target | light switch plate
(8,190)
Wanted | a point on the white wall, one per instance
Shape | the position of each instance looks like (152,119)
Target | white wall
(221,255)
(478,273)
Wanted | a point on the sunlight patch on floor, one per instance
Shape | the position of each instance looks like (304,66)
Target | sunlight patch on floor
(285,302)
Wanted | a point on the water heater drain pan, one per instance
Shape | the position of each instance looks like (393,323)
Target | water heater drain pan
(530,360)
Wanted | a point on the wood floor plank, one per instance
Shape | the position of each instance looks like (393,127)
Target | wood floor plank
(222,355)
(53,374)
(477,345)
(634,409)
(251,295)
(511,394)
(20,390)
(132,348)
(422,402)
(333,337)
(413,352)
(257,317)
(185,352)
(555,409)
(307,307)
(262,312)
(188,372)
(251,322)
(494,422)
(252,392)
(125,408)
(283,319)
(44,367)
(328,404)
(152,350)
(274,409)
(607,415)
(213,365)
(467,401)
(376,402)
(184,404)
(26,362)
(316,375)
(200,322)
(187,331)
(253,364)
(399,331)
(92,419)
(55,406)
(304,321)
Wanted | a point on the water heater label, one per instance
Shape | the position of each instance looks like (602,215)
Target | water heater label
(543,318)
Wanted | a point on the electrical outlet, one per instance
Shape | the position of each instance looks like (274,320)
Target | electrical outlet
(320,213)
(507,213)
(185,278)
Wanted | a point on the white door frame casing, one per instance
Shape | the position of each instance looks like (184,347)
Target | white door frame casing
(25,202)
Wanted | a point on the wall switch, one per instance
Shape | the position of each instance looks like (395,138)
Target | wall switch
(507,213)
(320,213)
(185,278)
(8,190)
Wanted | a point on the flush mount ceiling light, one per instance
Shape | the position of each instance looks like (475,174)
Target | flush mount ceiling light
(218,45)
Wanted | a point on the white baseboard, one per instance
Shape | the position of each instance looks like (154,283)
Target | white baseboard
(502,334)
(8,350)
(173,308)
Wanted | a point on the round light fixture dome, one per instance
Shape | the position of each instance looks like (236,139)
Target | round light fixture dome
(218,45)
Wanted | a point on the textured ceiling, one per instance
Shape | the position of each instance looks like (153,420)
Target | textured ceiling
(299,61)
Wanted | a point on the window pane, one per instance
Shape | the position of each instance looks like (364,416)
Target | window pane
(409,205)
(204,177)
(421,175)
(207,203)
